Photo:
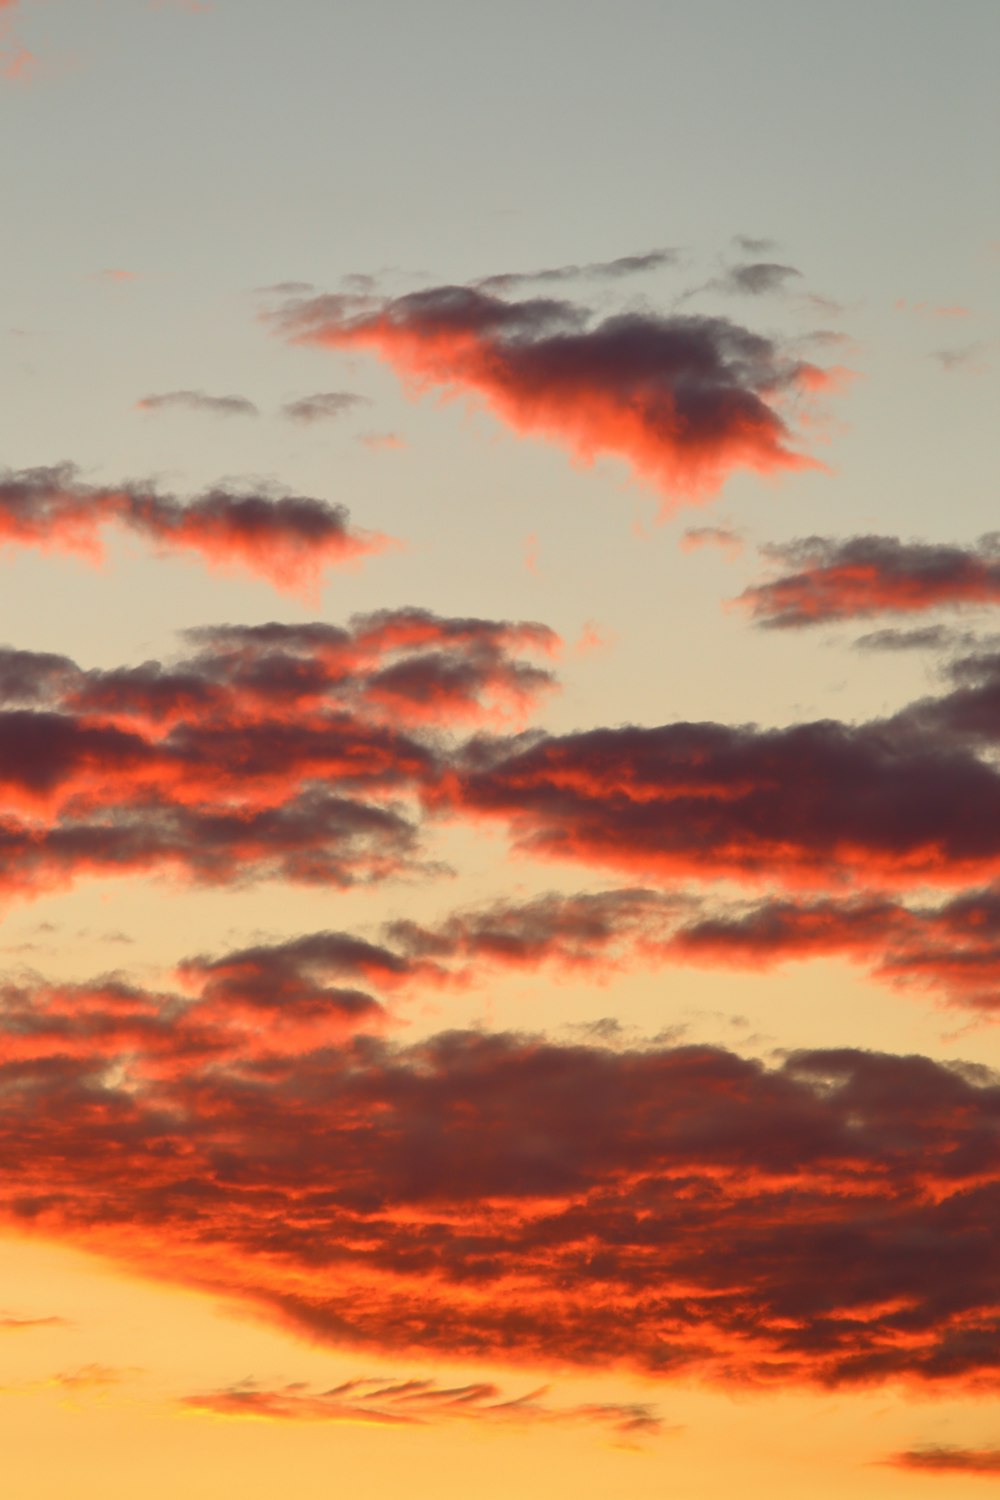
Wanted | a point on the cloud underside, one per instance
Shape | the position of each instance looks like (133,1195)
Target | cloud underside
(864,576)
(674,1210)
(287,539)
(322,754)
(685,401)
(272,750)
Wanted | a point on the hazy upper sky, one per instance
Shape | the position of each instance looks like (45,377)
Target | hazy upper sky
(500,661)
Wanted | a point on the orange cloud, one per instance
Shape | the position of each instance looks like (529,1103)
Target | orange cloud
(287,539)
(686,401)
(271,750)
(681,1211)
(869,575)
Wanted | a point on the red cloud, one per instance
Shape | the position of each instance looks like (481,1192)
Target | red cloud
(272,750)
(685,401)
(289,540)
(870,575)
(831,1220)
(901,801)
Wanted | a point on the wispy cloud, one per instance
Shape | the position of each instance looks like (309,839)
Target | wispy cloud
(323,406)
(420,1403)
(198,401)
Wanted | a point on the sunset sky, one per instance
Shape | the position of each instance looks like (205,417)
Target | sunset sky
(499,729)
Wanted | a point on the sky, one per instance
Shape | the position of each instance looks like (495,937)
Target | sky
(499,713)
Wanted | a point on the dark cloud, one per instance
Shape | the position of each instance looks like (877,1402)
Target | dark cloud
(684,400)
(287,539)
(904,800)
(862,576)
(681,1210)
(219,406)
(274,750)
(323,406)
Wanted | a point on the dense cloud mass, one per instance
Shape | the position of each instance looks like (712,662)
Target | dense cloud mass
(686,401)
(818,803)
(676,1210)
(287,539)
(289,750)
(863,576)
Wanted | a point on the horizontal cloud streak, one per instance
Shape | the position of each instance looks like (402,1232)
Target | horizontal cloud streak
(219,406)
(863,576)
(418,1403)
(287,539)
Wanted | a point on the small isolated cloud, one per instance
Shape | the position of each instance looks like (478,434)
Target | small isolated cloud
(219,406)
(323,406)
(948,1460)
(756,278)
(419,1403)
(969,357)
(115,274)
(934,309)
(9,1323)
(723,537)
(857,577)
(751,246)
(380,440)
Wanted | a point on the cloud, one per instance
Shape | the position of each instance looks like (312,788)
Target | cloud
(613,270)
(323,406)
(219,406)
(756,278)
(270,750)
(9,1323)
(948,1460)
(723,537)
(898,801)
(418,1403)
(685,401)
(680,1211)
(862,576)
(287,539)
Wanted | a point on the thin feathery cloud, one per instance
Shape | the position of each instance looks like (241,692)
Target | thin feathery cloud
(612,270)
(198,401)
(419,1403)
(323,406)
